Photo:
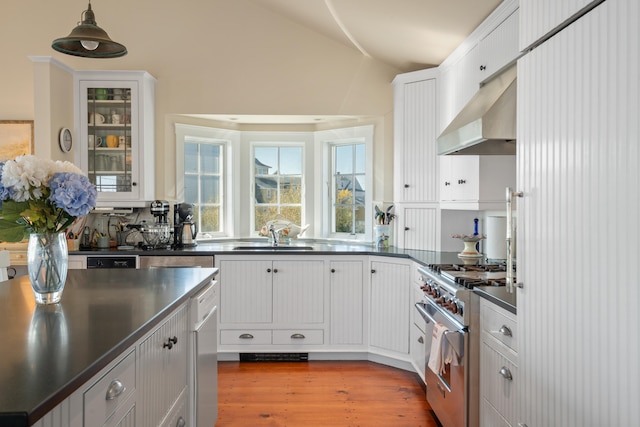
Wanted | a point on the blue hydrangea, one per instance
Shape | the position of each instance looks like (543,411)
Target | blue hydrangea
(4,192)
(72,192)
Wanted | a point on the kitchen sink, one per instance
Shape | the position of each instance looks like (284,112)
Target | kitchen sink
(273,248)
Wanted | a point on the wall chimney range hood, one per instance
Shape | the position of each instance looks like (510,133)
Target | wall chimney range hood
(487,124)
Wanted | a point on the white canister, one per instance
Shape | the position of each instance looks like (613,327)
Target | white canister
(496,242)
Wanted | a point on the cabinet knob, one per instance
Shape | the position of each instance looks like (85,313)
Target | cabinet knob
(116,388)
(333,270)
(483,67)
(275,270)
(133,184)
(170,342)
(373,271)
(181,422)
(406,186)
(268,270)
(462,181)
(504,330)
(447,183)
(421,340)
(406,229)
(505,373)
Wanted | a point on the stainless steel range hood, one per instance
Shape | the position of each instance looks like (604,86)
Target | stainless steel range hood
(487,124)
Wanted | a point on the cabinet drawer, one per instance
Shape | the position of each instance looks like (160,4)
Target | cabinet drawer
(500,324)
(496,386)
(295,337)
(489,417)
(103,398)
(245,337)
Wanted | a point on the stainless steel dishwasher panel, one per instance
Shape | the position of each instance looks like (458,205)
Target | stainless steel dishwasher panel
(204,360)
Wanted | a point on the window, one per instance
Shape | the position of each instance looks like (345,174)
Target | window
(278,183)
(203,183)
(348,188)
(347,182)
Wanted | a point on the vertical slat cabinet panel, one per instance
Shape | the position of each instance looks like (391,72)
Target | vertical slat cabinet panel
(347,293)
(390,298)
(245,291)
(298,292)
(539,17)
(419,228)
(578,156)
(500,46)
(499,391)
(415,132)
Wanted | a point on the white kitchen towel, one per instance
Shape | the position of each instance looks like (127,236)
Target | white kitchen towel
(441,352)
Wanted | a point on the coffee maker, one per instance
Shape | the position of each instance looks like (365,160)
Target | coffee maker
(185,229)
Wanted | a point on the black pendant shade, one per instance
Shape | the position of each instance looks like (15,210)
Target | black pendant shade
(89,41)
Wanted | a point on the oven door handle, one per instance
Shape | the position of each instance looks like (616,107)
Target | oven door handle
(422,309)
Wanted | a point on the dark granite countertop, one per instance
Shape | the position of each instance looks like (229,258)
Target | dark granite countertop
(499,296)
(228,247)
(50,351)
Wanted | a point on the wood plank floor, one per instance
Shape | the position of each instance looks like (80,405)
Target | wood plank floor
(320,393)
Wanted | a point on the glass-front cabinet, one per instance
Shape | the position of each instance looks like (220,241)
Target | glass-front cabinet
(116,134)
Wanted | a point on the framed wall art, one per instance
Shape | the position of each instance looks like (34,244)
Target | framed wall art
(16,138)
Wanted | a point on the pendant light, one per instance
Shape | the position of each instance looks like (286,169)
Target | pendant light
(88,40)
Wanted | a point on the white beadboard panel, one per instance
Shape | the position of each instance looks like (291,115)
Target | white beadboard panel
(578,235)
(298,292)
(419,159)
(489,417)
(249,282)
(420,228)
(540,17)
(500,46)
(390,299)
(497,390)
(347,296)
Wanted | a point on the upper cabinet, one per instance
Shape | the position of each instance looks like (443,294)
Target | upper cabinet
(415,135)
(115,128)
(490,49)
(499,48)
(545,17)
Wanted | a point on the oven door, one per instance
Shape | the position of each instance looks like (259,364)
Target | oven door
(446,392)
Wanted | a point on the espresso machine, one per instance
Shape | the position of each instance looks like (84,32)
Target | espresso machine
(185,229)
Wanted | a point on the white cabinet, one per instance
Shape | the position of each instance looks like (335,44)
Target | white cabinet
(475,182)
(418,325)
(541,17)
(347,302)
(415,132)
(457,84)
(271,301)
(163,368)
(500,47)
(115,134)
(390,298)
(418,227)
(498,366)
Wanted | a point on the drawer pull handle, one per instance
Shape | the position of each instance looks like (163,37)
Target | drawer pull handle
(246,337)
(181,422)
(116,388)
(170,342)
(505,373)
(421,340)
(297,337)
(504,330)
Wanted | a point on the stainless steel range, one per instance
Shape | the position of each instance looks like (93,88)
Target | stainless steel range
(453,391)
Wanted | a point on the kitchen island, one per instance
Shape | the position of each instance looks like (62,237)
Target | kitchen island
(49,352)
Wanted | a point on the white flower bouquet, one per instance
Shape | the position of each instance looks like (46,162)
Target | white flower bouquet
(41,196)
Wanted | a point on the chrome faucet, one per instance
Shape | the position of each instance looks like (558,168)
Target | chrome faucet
(274,235)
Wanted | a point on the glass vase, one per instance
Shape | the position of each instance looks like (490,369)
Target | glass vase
(47,262)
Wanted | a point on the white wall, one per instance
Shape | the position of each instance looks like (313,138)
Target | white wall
(209,56)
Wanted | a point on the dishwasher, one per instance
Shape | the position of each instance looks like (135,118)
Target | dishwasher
(204,356)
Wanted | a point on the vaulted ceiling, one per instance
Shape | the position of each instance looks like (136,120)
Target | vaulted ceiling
(406,34)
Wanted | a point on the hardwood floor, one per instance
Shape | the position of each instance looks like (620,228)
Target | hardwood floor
(320,393)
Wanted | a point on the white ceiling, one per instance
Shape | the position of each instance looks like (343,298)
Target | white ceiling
(406,34)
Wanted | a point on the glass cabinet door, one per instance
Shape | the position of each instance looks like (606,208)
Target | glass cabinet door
(109,138)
